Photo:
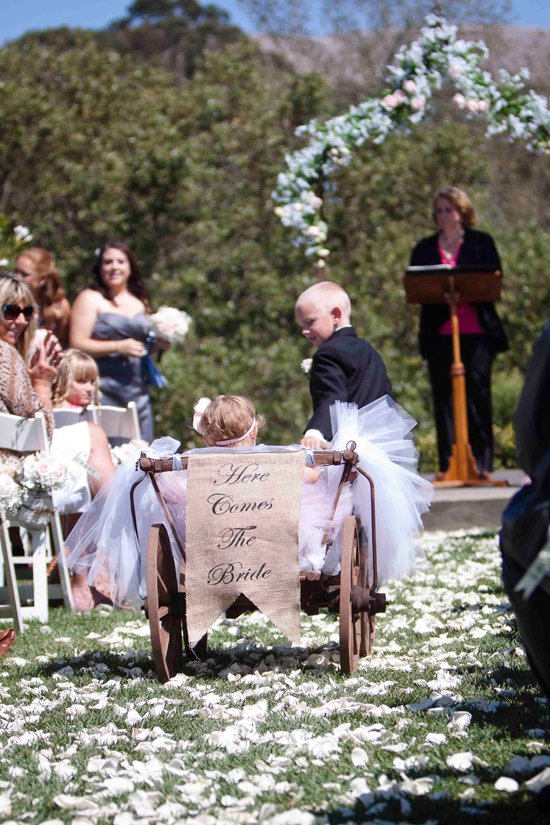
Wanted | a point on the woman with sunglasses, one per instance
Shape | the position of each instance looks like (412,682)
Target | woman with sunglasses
(25,389)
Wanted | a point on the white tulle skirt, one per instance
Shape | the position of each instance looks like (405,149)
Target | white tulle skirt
(382,432)
(106,539)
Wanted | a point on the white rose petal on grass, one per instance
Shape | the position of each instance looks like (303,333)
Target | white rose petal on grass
(359,757)
(460,720)
(76,710)
(506,784)
(77,803)
(436,738)
(322,746)
(118,785)
(461,761)
(297,817)
(5,804)
(64,770)
(410,763)
(541,780)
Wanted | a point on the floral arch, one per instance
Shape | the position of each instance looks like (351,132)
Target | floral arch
(417,71)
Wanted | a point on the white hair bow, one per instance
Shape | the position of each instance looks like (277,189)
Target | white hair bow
(199,408)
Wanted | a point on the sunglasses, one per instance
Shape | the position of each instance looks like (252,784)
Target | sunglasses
(11,311)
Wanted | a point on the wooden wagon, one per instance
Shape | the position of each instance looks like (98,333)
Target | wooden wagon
(352,593)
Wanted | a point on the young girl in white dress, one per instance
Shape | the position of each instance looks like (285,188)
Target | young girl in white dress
(105,538)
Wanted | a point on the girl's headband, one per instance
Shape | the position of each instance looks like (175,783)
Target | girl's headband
(200,408)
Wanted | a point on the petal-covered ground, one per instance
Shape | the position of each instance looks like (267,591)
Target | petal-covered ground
(443,723)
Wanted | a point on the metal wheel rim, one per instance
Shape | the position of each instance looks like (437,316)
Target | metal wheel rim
(350,625)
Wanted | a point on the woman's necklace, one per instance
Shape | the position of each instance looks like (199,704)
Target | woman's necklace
(449,245)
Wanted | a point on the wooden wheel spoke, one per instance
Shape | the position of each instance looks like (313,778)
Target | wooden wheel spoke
(165,627)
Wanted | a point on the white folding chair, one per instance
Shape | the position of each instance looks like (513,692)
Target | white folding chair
(64,418)
(30,435)
(120,424)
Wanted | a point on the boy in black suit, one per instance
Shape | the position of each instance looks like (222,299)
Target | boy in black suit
(345,367)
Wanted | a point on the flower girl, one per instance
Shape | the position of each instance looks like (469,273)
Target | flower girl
(106,539)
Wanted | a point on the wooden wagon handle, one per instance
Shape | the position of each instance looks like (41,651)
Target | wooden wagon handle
(322,458)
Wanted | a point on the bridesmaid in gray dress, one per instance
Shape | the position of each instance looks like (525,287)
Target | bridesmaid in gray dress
(110,323)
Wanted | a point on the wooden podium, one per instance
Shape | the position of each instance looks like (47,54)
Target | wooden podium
(448,285)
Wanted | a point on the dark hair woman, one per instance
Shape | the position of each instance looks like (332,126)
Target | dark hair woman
(482,335)
(110,322)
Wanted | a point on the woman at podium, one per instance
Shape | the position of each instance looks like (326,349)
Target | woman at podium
(482,335)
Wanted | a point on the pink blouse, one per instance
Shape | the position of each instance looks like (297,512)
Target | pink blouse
(468,322)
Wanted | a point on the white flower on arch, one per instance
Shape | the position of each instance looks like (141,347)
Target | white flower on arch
(417,71)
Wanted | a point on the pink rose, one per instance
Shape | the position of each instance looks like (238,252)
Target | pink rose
(459,100)
(389,102)
(483,105)
(418,103)
(472,105)
(409,86)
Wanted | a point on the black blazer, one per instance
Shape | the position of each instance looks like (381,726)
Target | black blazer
(532,417)
(345,368)
(478,249)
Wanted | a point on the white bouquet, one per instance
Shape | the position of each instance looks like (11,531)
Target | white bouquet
(306,365)
(11,494)
(131,449)
(171,323)
(42,472)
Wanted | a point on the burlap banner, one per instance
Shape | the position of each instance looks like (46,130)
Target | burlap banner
(242,537)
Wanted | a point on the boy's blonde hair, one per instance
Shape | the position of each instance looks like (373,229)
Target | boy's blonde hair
(326,295)
(229,417)
(74,365)
(12,291)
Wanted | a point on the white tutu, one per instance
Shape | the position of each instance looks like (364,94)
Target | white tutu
(383,434)
(105,539)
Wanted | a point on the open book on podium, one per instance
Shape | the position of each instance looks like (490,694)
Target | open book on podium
(445,284)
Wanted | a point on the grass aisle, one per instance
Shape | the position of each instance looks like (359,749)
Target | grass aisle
(442,724)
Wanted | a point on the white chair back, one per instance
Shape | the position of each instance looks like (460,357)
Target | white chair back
(23,434)
(30,435)
(120,424)
(64,417)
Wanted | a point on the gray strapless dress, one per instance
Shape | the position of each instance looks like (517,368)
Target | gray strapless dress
(121,378)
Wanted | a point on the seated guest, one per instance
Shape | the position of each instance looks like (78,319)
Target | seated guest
(76,385)
(26,388)
(345,367)
(525,520)
(36,268)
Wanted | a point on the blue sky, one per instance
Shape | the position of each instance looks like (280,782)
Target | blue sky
(18,16)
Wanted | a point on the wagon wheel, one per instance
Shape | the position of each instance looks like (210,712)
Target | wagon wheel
(367,619)
(350,622)
(162,589)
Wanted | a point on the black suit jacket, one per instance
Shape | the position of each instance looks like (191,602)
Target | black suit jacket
(532,417)
(478,249)
(345,368)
